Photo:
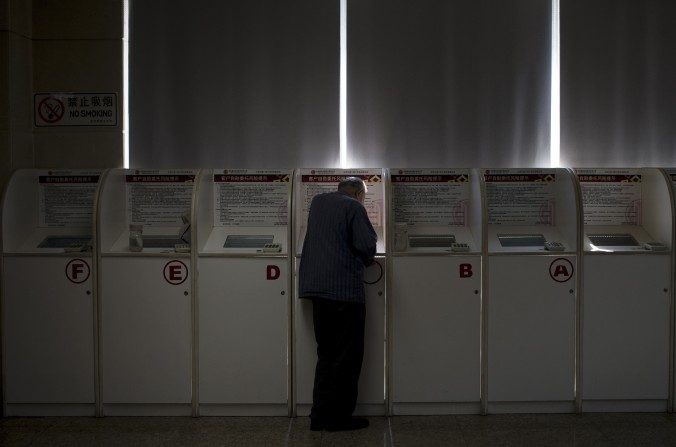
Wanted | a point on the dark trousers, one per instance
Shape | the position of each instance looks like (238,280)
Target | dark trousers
(339,332)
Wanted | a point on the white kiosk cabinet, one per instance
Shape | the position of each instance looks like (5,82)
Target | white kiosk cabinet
(48,299)
(435,226)
(532,243)
(627,289)
(243,292)
(371,400)
(671,176)
(146,296)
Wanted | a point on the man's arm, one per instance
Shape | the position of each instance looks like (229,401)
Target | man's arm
(364,237)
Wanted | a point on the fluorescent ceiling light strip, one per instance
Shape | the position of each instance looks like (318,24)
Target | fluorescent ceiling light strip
(555,126)
(125,85)
(343,84)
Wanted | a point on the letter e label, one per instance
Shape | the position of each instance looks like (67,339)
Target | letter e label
(175,272)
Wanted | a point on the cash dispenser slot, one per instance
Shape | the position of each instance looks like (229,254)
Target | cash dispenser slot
(247,241)
(431,240)
(521,240)
(65,241)
(613,240)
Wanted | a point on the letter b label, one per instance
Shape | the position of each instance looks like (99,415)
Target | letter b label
(466,270)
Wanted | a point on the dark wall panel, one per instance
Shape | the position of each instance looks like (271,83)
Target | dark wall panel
(249,84)
(454,83)
(618,82)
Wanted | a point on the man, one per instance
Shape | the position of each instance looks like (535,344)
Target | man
(339,243)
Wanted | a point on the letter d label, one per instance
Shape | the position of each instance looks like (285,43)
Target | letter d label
(272,272)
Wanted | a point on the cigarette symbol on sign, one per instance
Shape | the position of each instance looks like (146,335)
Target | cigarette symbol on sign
(51,109)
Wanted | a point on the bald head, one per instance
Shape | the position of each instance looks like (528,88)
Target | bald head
(354,187)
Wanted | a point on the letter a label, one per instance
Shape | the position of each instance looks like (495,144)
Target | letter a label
(561,270)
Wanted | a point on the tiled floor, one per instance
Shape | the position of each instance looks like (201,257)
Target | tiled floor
(596,430)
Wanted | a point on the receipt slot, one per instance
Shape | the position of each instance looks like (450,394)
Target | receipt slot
(145,287)
(435,290)
(371,400)
(530,304)
(48,299)
(627,289)
(243,288)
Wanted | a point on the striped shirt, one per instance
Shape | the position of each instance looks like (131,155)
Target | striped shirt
(339,242)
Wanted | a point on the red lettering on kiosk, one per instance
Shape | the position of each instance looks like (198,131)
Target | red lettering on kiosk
(273,272)
(175,272)
(77,271)
(466,270)
(561,270)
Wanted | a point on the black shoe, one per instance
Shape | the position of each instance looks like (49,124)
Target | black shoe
(347,424)
(316,425)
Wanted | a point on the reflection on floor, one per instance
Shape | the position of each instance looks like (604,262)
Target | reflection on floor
(594,430)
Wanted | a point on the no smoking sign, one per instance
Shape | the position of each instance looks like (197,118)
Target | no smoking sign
(175,272)
(51,110)
(75,109)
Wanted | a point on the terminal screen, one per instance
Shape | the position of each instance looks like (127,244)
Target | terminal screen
(613,240)
(431,241)
(521,240)
(247,241)
(161,241)
(65,241)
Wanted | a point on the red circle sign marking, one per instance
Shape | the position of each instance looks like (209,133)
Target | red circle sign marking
(561,269)
(51,109)
(175,272)
(77,271)
(373,273)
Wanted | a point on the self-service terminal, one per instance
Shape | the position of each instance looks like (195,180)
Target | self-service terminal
(145,288)
(435,226)
(243,292)
(371,400)
(530,297)
(671,176)
(48,294)
(627,289)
